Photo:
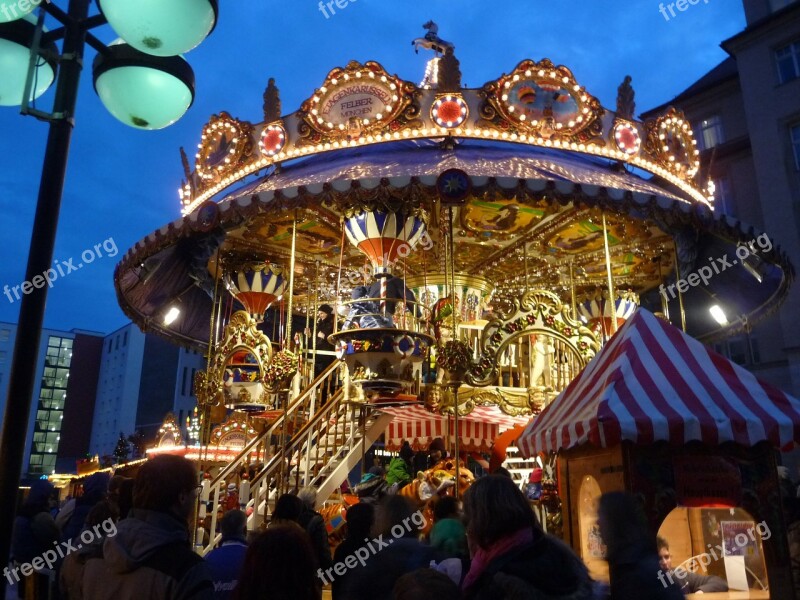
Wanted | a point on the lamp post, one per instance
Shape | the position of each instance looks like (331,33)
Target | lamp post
(75,33)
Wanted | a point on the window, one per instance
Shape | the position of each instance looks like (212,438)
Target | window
(709,132)
(5,335)
(788,60)
(125,338)
(191,389)
(116,346)
(183,382)
(776,5)
(795,134)
(109,346)
(723,198)
(2,356)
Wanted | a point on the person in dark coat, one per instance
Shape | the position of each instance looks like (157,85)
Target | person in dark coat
(279,565)
(631,551)
(324,329)
(396,290)
(100,523)
(359,519)
(511,555)
(314,524)
(690,583)
(372,487)
(34,532)
(151,555)
(95,489)
(397,550)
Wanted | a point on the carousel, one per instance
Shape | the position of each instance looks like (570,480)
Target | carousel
(477,248)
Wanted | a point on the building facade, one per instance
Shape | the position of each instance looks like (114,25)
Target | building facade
(746,114)
(63,397)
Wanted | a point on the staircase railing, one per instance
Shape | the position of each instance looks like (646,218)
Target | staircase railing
(266,448)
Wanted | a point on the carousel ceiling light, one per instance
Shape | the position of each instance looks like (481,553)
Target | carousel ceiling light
(172,315)
(16,39)
(718,314)
(143,91)
(161,27)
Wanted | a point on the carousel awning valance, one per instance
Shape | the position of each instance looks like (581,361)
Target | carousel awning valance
(652,382)
(419,427)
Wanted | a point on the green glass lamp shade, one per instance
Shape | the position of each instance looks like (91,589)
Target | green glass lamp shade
(11,10)
(16,39)
(161,27)
(143,91)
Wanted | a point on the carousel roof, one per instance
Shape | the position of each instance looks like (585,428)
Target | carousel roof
(546,164)
(651,383)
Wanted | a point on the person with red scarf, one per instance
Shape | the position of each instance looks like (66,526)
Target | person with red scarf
(511,556)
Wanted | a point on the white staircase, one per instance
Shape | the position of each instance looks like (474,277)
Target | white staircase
(308,445)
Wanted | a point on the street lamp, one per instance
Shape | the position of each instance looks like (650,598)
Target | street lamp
(16,39)
(161,26)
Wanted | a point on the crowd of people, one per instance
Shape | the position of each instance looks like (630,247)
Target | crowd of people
(488,547)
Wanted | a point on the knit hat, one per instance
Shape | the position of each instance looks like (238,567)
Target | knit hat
(437,444)
(231,487)
(406,452)
(326,308)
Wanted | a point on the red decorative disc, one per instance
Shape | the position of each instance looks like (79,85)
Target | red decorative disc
(273,139)
(627,138)
(449,111)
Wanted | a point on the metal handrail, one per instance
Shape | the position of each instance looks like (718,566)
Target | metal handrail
(248,448)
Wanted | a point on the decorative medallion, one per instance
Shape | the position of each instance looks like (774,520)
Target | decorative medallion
(355,101)
(235,432)
(627,138)
(543,100)
(273,139)
(207,216)
(449,111)
(671,142)
(224,144)
(453,186)
(169,434)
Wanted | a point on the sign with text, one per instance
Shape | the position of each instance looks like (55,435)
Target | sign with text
(707,481)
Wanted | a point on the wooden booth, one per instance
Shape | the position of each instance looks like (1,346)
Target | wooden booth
(693,437)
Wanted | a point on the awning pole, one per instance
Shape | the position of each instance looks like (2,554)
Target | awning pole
(611,297)
(677,281)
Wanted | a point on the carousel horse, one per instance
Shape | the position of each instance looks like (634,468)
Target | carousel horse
(432,41)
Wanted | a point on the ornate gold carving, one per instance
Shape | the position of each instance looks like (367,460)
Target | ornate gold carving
(358,100)
(670,142)
(236,426)
(540,99)
(244,348)
(225,144)
(537,312)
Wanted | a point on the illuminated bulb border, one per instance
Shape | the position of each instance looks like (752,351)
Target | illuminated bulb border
(618,135)
(449,124)
(639,161)
(267,130)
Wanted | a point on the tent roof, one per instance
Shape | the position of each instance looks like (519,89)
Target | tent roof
(418,426)
(652,382)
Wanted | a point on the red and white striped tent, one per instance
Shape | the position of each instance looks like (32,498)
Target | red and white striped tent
(652,382)
(477,431)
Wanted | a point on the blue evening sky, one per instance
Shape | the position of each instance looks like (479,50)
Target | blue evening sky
(122,183)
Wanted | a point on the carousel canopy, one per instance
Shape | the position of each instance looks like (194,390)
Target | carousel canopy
(477,431)
(652,382)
